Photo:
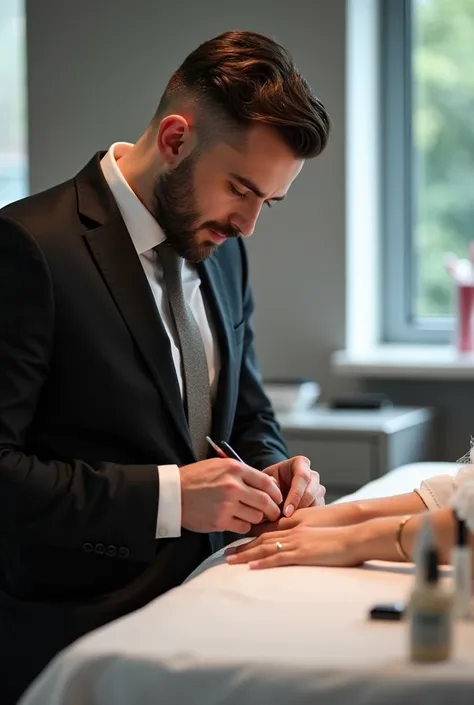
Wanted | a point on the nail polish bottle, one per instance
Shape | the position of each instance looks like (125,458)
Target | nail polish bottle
(430,615)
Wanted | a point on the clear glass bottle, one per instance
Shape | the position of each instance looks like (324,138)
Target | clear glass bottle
(430,615)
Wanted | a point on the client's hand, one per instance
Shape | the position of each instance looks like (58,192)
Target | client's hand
(302,545)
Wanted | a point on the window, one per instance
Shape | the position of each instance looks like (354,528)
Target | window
(428,157)
(13,118)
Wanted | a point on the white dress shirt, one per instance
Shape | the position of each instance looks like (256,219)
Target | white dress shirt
(147,234)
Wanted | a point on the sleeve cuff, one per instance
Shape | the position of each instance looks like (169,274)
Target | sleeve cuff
(168,522)
(437,491)
(427,497)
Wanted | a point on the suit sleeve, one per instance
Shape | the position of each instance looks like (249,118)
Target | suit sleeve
(62,502)
(256,434)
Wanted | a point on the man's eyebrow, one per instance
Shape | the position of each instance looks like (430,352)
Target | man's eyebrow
(252,187)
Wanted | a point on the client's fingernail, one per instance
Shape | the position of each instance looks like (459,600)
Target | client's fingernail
(231,559)
(289,510)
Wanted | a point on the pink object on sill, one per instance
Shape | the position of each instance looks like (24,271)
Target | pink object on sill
(465,318)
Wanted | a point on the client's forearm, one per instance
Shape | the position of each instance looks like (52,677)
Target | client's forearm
(366,509)
(347,513)
(358,511)
(376,539)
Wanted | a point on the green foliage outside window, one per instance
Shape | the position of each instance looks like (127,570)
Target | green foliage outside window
(443,138)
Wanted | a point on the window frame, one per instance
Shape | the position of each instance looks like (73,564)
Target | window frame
(399,324)
(14,166)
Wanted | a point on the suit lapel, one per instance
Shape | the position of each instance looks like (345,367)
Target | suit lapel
(116,258)
(215,292)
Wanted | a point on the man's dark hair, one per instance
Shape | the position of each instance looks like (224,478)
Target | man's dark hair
(245,78)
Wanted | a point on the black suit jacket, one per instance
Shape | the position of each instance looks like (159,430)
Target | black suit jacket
(89,406)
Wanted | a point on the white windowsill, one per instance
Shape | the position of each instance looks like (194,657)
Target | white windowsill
(405,361)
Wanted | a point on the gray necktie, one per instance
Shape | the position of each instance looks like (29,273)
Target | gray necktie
(195,372)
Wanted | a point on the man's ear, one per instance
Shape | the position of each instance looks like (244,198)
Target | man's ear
(174,139)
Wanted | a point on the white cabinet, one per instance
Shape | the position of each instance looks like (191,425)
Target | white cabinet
(350,448)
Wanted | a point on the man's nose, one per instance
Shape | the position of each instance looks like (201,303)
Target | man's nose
(246,221)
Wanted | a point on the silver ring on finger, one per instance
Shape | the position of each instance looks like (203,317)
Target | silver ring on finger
(279,546)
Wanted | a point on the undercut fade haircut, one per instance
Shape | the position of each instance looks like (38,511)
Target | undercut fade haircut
(239,79)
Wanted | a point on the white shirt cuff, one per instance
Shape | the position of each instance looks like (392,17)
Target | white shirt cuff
(168,521)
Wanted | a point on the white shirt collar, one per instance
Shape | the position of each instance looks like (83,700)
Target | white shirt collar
(141,225)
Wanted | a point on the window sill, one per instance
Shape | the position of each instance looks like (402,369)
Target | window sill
(405,361)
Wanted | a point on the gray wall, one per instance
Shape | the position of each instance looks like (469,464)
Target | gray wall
(96,70)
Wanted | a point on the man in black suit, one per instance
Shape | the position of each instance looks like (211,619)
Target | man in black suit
(116,288)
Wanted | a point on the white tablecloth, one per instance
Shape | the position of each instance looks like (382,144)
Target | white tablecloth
(288,636)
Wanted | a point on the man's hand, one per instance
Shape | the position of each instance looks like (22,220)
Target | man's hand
(299,484)
(225,495)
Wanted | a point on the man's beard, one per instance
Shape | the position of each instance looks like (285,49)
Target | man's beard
(175,209)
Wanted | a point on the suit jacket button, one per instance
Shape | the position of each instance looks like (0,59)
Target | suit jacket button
(111,551)
(100,549)
(87,547)
(123,552)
